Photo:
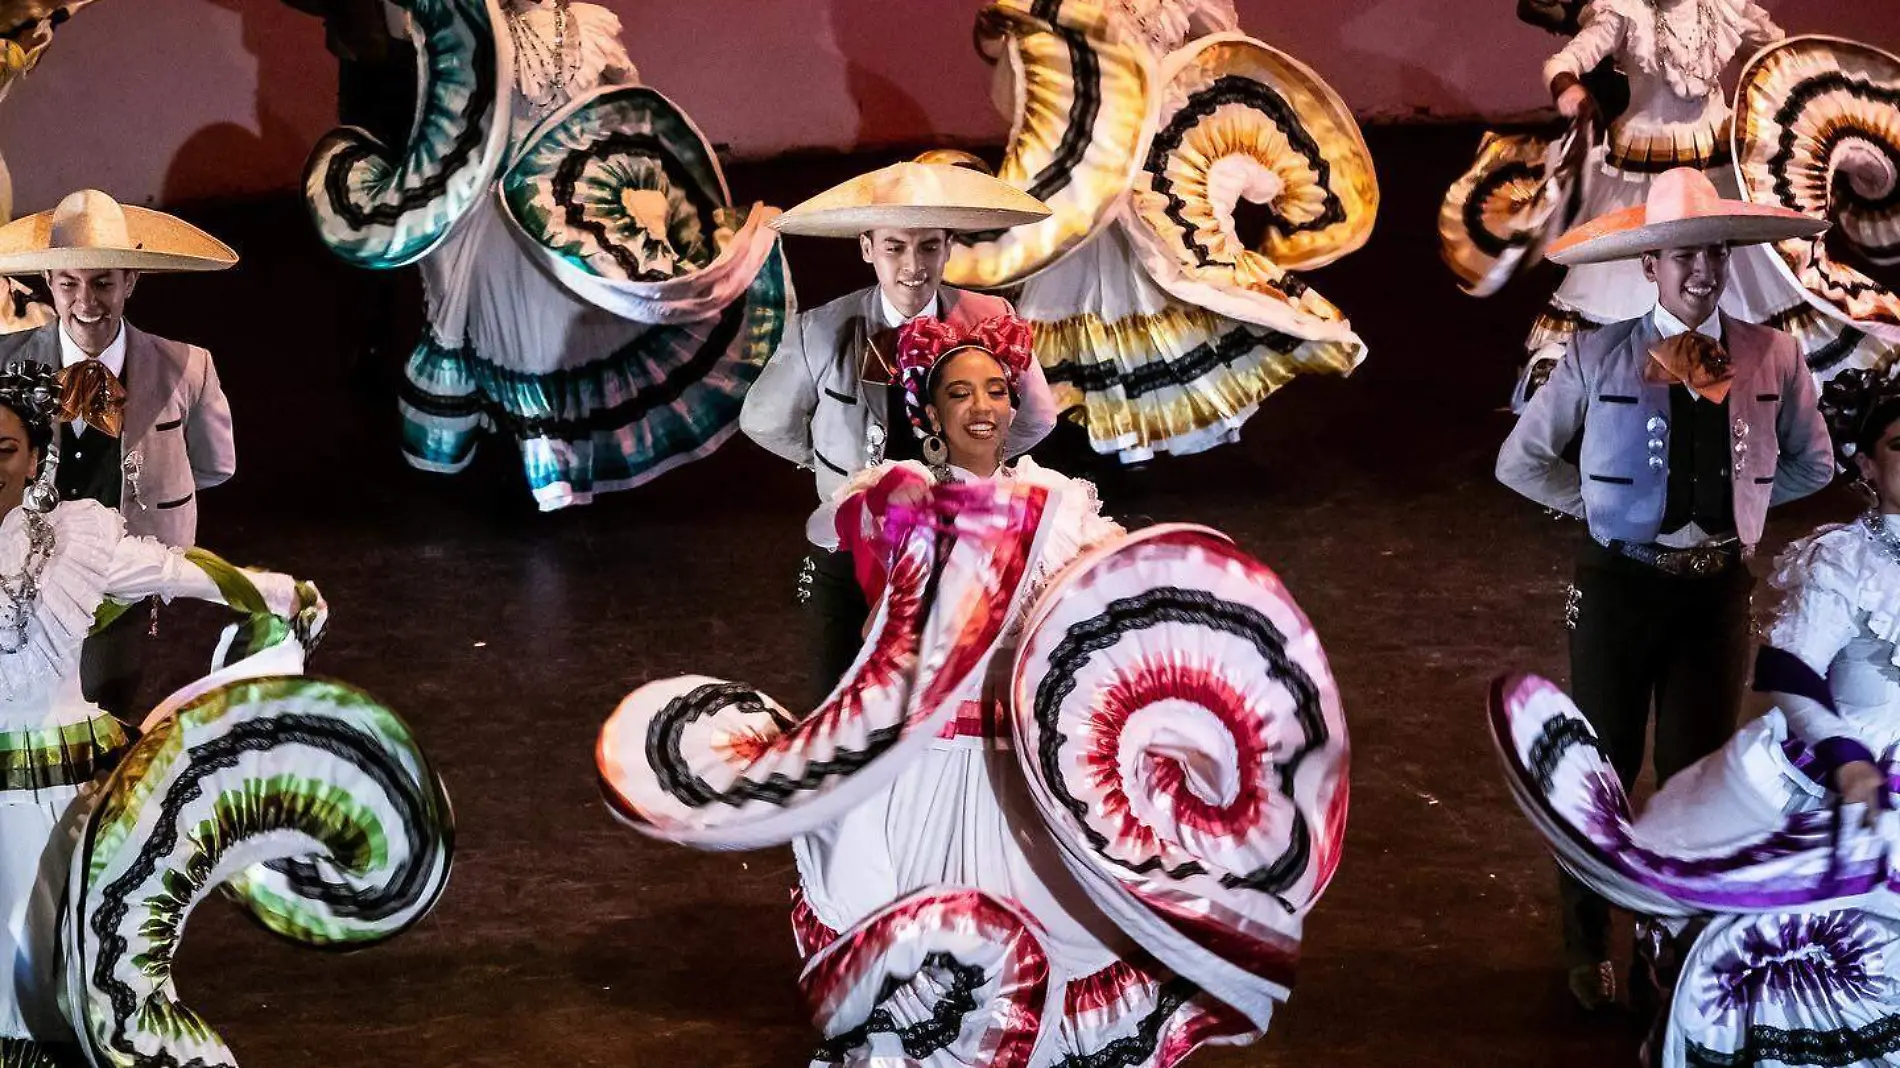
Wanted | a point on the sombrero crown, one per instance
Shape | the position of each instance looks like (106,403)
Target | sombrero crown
(913,196)
(1684,211)
(90,231)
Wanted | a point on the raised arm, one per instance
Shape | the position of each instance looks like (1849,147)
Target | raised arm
(142,567)
(1815,621)
(1598,39)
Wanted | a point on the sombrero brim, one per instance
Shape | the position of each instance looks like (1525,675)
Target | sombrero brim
(1622,235)
(158,242)
(913,196)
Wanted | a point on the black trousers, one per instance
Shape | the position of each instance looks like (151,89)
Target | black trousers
(839,612)
(112,664)
(1644,638)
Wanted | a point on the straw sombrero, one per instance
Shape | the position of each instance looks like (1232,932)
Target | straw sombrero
(913,196)
(89,231)
(1684,210)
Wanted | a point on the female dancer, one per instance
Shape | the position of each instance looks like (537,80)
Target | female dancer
(592,291)
(962,847)
(1148,125)
(1674,53)
(106,928)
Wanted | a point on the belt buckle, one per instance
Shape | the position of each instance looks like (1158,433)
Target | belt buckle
(1703,562)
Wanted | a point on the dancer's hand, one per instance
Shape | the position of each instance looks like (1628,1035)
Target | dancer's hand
(1861,783)
(1575,100)
(911,493)
(312,616)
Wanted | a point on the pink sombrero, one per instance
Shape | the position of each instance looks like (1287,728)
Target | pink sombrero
(1683,210)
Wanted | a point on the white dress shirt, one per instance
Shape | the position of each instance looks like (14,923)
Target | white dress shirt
(894,318)
(113,357)
(1669,326)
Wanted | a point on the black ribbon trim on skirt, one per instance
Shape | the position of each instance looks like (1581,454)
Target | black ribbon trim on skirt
(925,1037)
(467,143)
(1234,89)
(1201,609)
(645,146)
(1224,351)
(674,773)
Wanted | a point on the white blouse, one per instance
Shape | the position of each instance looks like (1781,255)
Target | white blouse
(1841,617)
(590,50)
(1673,54)
(92,559)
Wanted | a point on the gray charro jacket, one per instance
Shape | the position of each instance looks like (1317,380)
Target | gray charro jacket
(1778,442)
(177,437)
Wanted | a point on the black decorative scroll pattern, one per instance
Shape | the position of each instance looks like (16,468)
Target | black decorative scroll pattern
(469,141)
(1156,607)
(1234,89)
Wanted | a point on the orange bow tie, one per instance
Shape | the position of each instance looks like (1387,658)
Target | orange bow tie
(1695,360)
(90,391)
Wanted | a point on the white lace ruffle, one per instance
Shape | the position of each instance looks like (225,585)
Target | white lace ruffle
(1837,581)
(591,50)
(71,588)
(1643,49)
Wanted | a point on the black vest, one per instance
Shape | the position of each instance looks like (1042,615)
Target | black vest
(89,466)
(1700,490)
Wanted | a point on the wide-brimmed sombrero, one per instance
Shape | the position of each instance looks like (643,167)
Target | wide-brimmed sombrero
(913,196)
(1684,210)
(90,231)
(1817,130)
(1081,103)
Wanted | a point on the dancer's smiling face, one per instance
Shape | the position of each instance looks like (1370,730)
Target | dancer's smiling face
(970,408)
(1689,281)
(91,305)
(909,265)
(19,460)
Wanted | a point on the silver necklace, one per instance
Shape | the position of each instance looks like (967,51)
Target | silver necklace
(1874,526)
(1696,58)
(20,592)
(544,63)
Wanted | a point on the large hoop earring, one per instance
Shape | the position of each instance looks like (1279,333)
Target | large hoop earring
(1868,494)
(43,494)
(936,453)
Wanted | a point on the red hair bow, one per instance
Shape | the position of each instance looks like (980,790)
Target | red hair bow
(924,340)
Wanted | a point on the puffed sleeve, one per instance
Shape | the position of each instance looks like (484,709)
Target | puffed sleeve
(1758,29)
(1600,36)
(1815,621)
(603,58)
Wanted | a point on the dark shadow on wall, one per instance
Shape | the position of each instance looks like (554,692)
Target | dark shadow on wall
(881,73)
(293,71)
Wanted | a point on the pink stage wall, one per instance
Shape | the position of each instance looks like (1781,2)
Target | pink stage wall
(166,100)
